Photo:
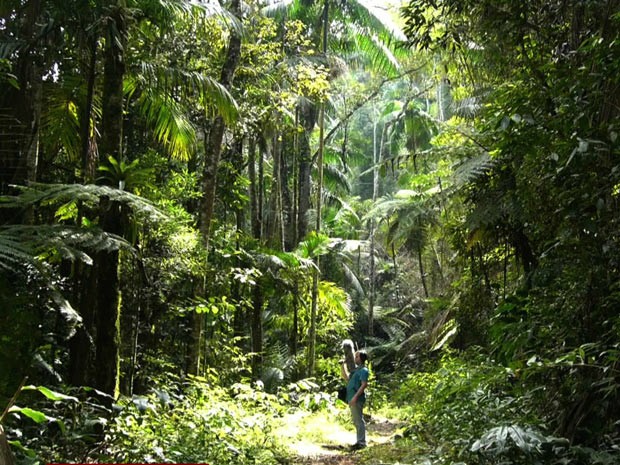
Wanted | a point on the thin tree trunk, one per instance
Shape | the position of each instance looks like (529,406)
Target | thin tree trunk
(213,150)
(288,216)
(313,316)
(261,192)
(213,143)
(88,155)
(274,234)
(377,147)
(295,182)
(295,329)
(257,330)
(253,192)
(371,291)
(317,272)
(422,272)
(280,195)
(81,345)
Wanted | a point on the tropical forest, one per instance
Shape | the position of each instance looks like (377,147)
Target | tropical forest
(206,204)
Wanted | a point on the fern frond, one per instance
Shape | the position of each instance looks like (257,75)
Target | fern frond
(30,244)
(14,253)
(472,168)
(89,194)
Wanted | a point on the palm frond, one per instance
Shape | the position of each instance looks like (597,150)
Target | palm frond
(314,245)
(444,328)
(279,8)
(169,123)
(59,120)
(166,80)
(346,211)
(376,18)
(335,178)
(169,9)
(353,280)
(72,319)
(335,301)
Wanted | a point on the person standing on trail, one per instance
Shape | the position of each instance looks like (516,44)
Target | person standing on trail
(357,381)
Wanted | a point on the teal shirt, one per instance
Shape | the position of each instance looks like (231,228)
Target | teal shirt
(359,375)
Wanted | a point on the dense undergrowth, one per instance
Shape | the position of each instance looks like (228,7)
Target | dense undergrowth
(461,410)
(180,421)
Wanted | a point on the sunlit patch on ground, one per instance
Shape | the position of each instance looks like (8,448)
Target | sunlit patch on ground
(325,437)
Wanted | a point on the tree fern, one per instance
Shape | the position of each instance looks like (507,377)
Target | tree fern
(89,194)
(14,253)
(32,244)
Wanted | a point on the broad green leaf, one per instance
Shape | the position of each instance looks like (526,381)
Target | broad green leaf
(52,395)
(35,415)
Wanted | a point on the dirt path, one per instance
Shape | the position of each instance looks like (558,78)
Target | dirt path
(334,449)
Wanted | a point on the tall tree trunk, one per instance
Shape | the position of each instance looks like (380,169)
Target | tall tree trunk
(81,344)
(377,148)
(213,143)
(213,150)
(316,275)
(317,272)
(106,269)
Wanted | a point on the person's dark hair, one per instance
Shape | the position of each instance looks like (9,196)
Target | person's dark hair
(363,355)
